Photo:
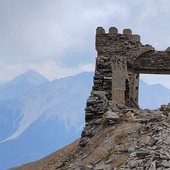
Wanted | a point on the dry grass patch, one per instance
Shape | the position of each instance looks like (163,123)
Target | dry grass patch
(119,137)
(121,161)
(107,155)
(128,125)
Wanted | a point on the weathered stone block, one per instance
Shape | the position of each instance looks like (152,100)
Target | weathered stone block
(111,115)
(166,164)
(113,31)
(168,49)
(135,38)
(127,32)
(100,30)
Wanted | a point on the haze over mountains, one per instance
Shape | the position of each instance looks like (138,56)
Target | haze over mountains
(38,116)
(21,84)
(43,119)
(152,96)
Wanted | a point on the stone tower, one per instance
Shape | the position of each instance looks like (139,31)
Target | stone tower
(120,60)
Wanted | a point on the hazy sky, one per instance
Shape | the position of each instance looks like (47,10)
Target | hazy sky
(57,37)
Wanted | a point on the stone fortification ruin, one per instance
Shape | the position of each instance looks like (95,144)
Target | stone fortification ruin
(120,60)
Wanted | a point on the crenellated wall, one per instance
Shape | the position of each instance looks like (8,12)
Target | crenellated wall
(139,59)
(111,46)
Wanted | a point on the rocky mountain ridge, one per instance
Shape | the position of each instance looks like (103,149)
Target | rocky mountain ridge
(125,139)
(21,84)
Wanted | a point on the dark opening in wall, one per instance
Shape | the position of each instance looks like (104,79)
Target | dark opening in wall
(154,90)
(127,97)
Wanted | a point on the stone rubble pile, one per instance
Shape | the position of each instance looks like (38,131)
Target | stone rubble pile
(96,106)
(152,150)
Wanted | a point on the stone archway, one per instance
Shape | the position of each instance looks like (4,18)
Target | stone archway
(124,57)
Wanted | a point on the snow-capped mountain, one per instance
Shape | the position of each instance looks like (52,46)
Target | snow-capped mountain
(21,84)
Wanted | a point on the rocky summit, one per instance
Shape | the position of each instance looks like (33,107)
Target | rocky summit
(127,139)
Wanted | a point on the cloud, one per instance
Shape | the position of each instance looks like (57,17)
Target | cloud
(156,79)
(51,70)
(36,32)
(52,29)
(48,68)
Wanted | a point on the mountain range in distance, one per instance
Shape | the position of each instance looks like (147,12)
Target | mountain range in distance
(38,116)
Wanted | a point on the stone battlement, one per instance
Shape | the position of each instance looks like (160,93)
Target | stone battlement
(113,31)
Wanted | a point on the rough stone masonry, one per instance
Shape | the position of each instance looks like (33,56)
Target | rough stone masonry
(120,60)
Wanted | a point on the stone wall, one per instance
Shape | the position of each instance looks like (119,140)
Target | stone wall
(139,58)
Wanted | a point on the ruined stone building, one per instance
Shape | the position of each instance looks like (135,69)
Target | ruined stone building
(120,60)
